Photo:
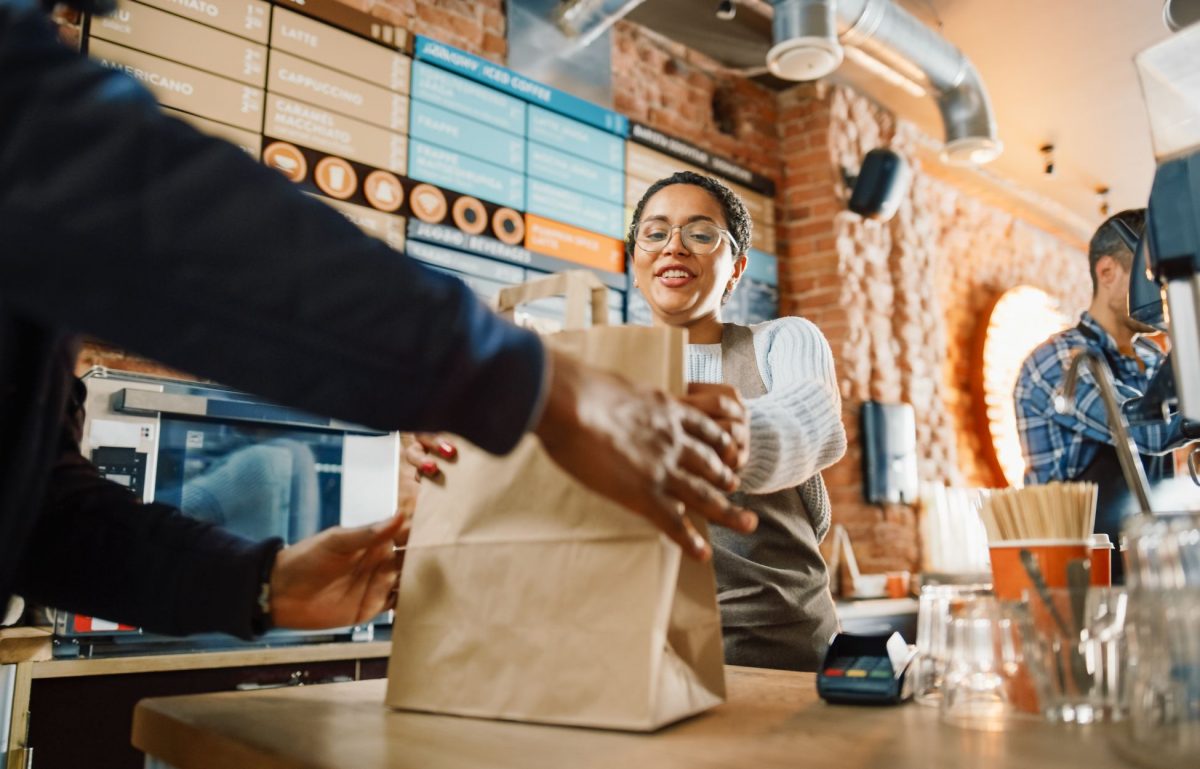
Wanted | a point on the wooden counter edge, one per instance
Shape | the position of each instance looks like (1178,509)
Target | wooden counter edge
(182,745)
(153,663)
(25,644)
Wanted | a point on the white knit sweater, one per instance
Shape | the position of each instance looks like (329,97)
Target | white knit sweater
(796,428)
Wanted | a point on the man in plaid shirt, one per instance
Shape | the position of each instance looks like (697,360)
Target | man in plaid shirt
(1077,444)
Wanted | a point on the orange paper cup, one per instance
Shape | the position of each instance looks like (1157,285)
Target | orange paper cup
(1009,578)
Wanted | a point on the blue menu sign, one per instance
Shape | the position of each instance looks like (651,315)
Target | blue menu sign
(572,136)
(497,77)
(762,267)
(458,172)
(454,238)
(554,202)
(487,105)
(452,130)
(468,264)
(576,173)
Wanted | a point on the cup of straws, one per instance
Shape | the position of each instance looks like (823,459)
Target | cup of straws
(1040,545)
(1040,537)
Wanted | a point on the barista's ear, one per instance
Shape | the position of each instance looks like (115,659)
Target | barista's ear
(1107,270)
(739,264)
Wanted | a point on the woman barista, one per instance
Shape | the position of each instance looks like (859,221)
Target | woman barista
(688,244)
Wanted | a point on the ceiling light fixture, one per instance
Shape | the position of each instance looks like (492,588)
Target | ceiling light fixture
(1047,151)
(972,151)
(806,36)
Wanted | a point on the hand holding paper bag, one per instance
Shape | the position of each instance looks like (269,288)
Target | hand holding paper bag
(644,450)
(529,596)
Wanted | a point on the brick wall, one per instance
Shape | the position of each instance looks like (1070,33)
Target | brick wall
(899,301)
(667,86)
(477,26)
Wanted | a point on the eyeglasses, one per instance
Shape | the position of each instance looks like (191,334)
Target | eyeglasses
(700,237)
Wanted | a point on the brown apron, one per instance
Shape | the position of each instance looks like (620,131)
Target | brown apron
(772,585)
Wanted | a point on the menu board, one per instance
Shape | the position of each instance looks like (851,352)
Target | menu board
(468,166)
(312,88)
(513,170)
(756,297)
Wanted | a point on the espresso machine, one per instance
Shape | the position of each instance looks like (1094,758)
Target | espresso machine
(1170,80)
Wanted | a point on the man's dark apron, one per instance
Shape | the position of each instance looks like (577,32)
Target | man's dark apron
(1115,500)
(772,585)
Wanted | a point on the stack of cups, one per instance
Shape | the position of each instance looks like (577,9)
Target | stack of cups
(936,607)
(980,662)
(1074,647)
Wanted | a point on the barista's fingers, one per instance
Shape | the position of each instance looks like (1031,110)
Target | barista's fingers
(702,461)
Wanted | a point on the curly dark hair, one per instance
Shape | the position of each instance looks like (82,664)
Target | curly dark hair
(737,219)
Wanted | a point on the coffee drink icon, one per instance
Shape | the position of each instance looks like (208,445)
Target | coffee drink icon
(383,191)
(508,226)
(428,203)
(335,177)
(287,159)
(470,216)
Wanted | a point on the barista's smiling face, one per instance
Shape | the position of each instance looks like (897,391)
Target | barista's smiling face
(682,287)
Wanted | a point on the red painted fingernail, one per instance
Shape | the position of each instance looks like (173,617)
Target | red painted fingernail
(428,469)
(446,450)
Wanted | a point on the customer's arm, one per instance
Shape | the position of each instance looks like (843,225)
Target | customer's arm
(121,222)
(96,549)
(796,428)
(126,224)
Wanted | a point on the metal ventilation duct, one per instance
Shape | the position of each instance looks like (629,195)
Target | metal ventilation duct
(585,20)
(1178,14)
(809,36)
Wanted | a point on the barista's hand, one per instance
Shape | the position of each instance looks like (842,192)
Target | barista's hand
(338,577)
(424,452)
(646,451)
(723,404)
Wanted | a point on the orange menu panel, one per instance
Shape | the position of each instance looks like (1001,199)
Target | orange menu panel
(545,236)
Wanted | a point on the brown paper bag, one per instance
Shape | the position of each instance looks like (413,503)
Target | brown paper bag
(526,596)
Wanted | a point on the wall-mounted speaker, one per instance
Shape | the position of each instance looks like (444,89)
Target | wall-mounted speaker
(881,185)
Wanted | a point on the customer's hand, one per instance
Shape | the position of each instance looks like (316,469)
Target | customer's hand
(338,577)
(723,404)
(426,450)
(646,451)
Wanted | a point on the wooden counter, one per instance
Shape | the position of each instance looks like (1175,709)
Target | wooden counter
(772,719)
(92,699)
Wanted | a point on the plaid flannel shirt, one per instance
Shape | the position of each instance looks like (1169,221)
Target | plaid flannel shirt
(1058,447)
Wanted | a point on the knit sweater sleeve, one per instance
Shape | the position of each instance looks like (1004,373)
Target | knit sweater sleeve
(796,428)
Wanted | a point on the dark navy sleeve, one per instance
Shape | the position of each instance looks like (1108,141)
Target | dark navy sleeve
(97,550)
(123,223)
